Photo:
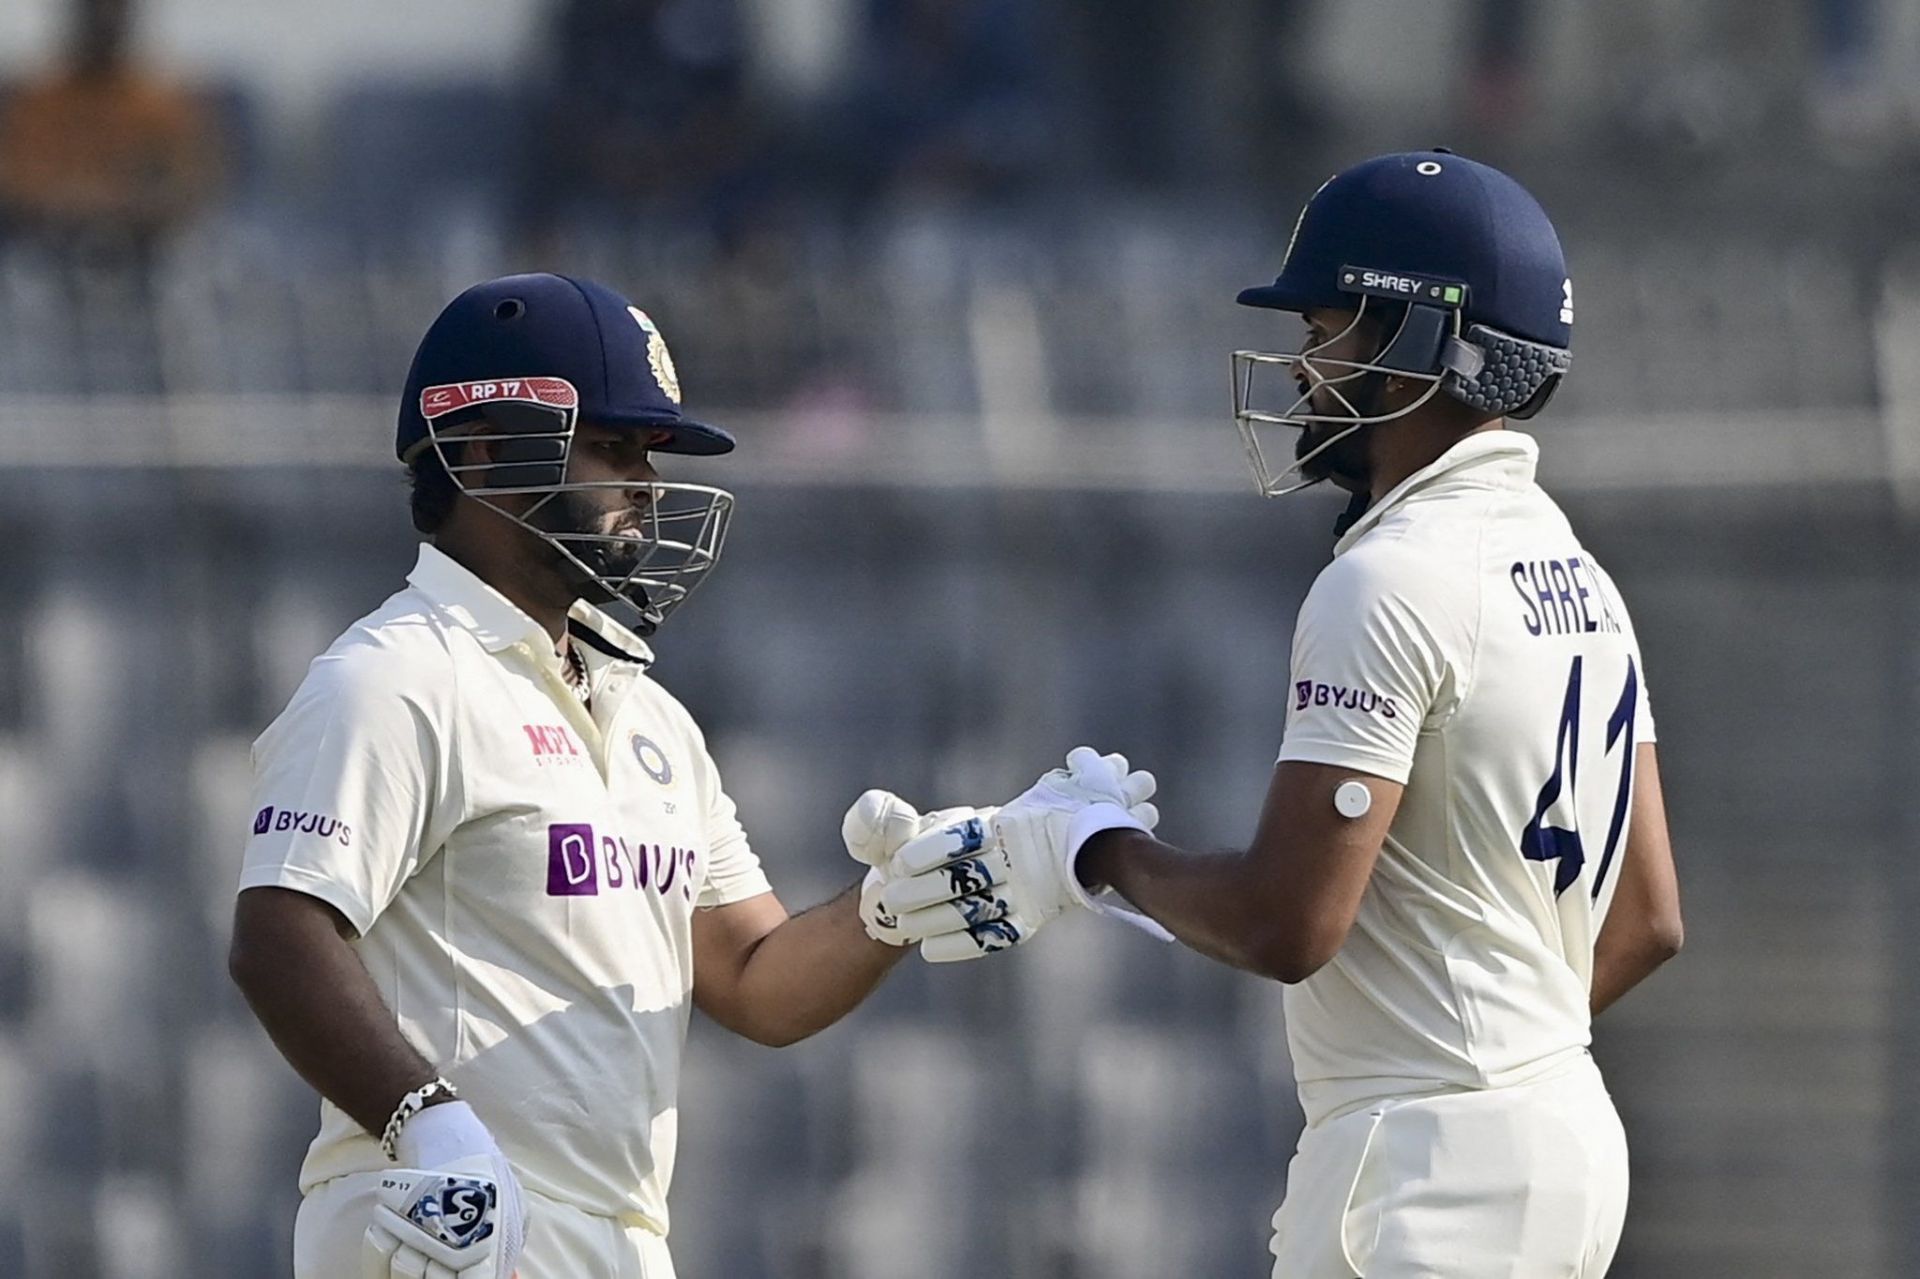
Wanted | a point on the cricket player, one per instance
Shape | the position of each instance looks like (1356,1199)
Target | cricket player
(1463,854)
(492,864)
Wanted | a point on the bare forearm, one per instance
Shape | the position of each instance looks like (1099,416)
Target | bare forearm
(1207,900)
(809,972)
(312,994)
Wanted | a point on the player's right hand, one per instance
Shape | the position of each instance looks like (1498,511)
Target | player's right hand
(460,1216)
(988,882)
(874,830)
(1017,874)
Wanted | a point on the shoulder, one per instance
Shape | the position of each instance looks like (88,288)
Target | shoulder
(397,659)
(1397,568)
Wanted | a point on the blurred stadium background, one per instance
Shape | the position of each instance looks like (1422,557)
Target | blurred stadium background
(960,274)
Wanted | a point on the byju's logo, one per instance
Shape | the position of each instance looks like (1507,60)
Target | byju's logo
(572,870)
(292,819)
(581,864)
(1308,692)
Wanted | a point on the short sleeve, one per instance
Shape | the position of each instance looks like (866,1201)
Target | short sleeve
(1369,668)
(348,789)
(733,869)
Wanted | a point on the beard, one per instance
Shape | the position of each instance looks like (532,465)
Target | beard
(1345,463)
(583,523)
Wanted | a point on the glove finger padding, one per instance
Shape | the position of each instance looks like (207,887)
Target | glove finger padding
(881,924)
(1137,787)
(960,877)
(956,916)
(1084,761)
(963,838)
(876,825)
(981,939)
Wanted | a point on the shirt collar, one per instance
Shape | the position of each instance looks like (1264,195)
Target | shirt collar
(603,633)
(498,623)
(1490,459)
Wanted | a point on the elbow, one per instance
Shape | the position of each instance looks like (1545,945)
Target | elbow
(777,1036)
(767,1027)
(242,962)
(1292,956)
(1289,972)
(251,967)
(1666,937)
(1292,970)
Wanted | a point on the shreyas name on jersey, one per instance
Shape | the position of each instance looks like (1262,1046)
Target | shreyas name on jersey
(1562,597)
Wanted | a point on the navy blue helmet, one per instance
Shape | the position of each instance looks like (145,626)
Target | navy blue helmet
(1467,272)
(552,326)
(522,360)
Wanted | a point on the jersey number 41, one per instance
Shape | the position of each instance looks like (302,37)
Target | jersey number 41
(1543,842)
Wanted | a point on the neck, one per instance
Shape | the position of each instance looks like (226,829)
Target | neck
(1397,454)
(526,588)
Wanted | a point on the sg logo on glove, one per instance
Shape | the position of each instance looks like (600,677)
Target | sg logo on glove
(457,1211)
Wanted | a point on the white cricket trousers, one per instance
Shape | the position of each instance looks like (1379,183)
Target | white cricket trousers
(1502,1183)
(562,1241)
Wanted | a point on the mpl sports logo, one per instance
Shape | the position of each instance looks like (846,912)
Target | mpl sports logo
(552,744)
(579,864)
(292,819)
(1309,692)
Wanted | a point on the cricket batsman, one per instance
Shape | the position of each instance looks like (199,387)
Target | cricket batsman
(492,864)
(1463,854)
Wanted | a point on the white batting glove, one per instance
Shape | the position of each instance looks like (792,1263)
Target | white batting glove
(874,829)
(963,899)
(455,1212)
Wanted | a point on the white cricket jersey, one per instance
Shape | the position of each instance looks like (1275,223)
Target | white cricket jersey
(522,874)
(1463,642)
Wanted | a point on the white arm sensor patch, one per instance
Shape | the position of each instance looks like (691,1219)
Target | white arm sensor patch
(1352,799)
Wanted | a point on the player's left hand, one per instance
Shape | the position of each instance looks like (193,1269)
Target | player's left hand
(965,896)
(452,1210)
(439,1223)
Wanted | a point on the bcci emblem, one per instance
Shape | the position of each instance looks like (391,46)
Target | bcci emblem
(652,759)
(657,357)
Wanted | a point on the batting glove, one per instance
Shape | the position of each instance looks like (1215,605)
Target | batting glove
(456,1214)
(878,825)
(966,892)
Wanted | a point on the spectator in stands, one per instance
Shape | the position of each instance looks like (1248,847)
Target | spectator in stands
(643,108)
(1849,99)
(103,147)
(945,99)
(1501,45)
